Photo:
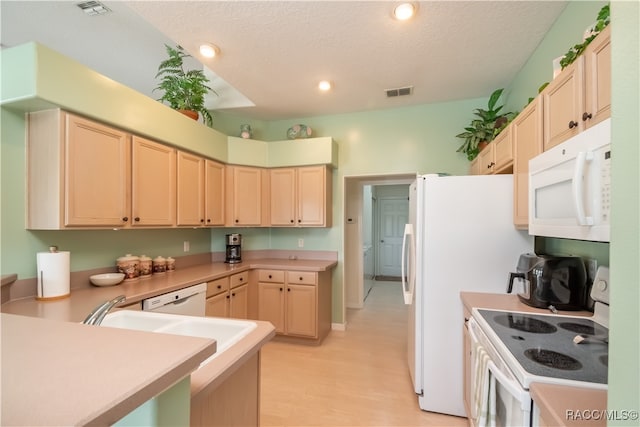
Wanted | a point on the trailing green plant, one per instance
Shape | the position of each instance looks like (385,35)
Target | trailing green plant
(486,127)
(183,90)
(575,51)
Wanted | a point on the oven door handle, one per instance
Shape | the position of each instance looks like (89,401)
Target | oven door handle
(512,385)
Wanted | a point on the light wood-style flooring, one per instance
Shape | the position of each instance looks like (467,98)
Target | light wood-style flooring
(358,377)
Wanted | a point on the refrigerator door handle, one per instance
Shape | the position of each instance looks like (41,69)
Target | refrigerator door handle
(408,262)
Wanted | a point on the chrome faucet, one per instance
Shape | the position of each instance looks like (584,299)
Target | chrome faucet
(98,313)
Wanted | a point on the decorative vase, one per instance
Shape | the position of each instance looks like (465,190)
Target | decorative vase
(482,145)
(245,131)
(190,113)
(299,131)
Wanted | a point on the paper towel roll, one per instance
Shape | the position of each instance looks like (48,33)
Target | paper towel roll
(53,275)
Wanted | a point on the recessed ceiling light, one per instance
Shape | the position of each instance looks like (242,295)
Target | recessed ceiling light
(209,50)
(324,85)
(404,11)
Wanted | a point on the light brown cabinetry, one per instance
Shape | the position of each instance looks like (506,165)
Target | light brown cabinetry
(246,205)
(214,190)
(78,172)
(200,194)
(301,196)
(88,175)
(190,184)
(580,96)
(526,131)
(153,180)
(228,296)
(297,303)
(496,157)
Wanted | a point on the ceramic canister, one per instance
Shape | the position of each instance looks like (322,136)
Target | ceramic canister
(159,265)
(171,264)
(146,267)
(130,266)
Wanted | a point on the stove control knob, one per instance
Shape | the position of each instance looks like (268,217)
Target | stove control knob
(601,285)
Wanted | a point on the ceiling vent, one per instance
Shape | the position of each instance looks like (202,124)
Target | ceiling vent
(401,91)
(93,8)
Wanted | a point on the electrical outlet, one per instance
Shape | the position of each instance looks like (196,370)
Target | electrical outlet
(301,243)
(592,267)
(185,246)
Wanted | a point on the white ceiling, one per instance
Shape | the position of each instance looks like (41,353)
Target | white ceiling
(273,53)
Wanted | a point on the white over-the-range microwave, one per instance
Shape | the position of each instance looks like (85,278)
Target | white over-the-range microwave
(570,187)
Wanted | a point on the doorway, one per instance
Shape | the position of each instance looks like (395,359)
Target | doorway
(361,242)
(390,217)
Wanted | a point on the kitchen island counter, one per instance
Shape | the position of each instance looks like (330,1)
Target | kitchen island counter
(62,373)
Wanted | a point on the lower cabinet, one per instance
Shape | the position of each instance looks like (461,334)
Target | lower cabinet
(466,368)
(297,303)
(228,296)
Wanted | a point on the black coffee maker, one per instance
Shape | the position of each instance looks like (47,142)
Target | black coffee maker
(234,244)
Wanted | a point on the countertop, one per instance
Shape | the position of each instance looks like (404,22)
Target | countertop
(553,400)
(570,406)
(113,370)
(81,301)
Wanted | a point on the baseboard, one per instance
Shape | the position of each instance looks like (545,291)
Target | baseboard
(339,326)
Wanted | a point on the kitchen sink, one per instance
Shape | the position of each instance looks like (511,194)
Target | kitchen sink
(225,331)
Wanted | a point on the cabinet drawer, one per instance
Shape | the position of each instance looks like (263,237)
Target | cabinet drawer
(301,277)
(239,279)
(271,276)
(217,286)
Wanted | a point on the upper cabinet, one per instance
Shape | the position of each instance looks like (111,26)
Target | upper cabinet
(496,157)
(580,96)
(301,196)
(527,141)
(214,192)
(83,174)
(153,180)
(246,201)
(190,185)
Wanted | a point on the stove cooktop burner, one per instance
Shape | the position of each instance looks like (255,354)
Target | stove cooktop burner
(553,359)
(579,328)
(525,324)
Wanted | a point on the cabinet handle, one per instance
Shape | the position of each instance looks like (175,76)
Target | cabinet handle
(288,289)
(125,219)
(136,219)
(572,124)
(233,294)
(208,219)
(280,289)
(237,221)
(292,221)
(269,276)
(490,165)
(241,279)
(586,116)
(299,221)
(219,286)
(299,278)
(228,297)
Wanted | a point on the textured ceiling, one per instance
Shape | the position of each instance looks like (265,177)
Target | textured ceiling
(273,53)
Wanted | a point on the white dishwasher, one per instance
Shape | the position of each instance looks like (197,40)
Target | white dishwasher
(189,301)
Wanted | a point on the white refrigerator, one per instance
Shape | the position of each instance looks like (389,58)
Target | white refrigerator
(460,238)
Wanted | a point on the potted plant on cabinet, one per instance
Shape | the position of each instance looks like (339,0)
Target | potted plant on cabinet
(485,128)
(183,90)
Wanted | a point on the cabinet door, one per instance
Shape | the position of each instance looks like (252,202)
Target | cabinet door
(238,301)
(218,305)
(301,310)
(474,168)
(598,79)
(190,189)
(246,189)
(485,160)
(153,184)
(214,193)
(283,196)
(96,174)
(527,142)
(564,105)
(312,193)
(503,150)
(271,304)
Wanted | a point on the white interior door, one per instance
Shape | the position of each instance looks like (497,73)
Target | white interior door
(393,214)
